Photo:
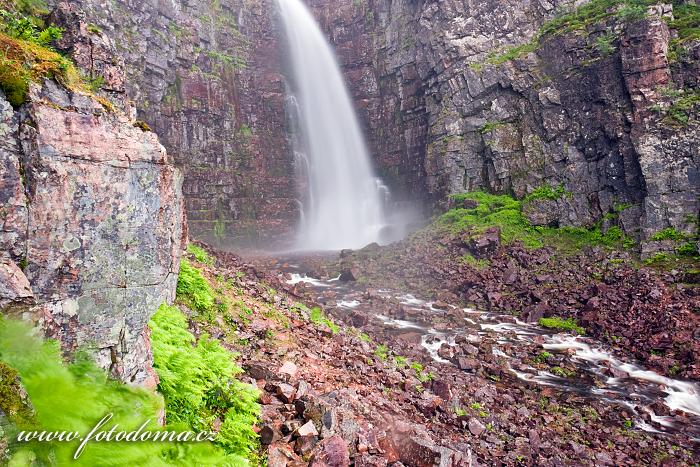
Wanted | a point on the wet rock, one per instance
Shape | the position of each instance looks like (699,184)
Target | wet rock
(469,364)
(350,274)
(446,351)
(411,337)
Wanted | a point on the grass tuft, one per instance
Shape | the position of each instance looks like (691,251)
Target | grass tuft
(561,324)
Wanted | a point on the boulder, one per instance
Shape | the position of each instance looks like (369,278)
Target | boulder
(485,243)
(331,452)
(350,274)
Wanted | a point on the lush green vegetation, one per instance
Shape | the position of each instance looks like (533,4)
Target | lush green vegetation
(542,357)
(686,22)
(25,56)
(561,324)
(547,192)
(317,317)
(200,254)
(75,397)
(198,382)
(683,102)
(506,213)
(668,234)
(481,263)
(193,289)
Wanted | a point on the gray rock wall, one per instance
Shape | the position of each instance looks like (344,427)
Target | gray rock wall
(92,233)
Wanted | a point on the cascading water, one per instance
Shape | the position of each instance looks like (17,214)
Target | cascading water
(344,201)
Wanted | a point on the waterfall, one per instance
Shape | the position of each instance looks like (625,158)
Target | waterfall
(343,205)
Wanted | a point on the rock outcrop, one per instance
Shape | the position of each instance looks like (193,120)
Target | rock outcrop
(91,226)
(470,96)
(205,76)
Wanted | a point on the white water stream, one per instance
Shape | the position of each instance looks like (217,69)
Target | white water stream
(632,386)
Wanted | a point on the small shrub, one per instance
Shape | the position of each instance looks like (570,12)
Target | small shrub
(141,125)
(559,371)
(26,28)
(542,357)
(668,234)
(604,44)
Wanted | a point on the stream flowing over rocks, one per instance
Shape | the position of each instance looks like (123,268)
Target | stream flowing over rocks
(464,386)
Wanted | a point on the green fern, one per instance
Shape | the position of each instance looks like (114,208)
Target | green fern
(193,289)
(75,397)
(197,380)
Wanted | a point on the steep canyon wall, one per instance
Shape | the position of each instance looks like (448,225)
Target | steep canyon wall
(460,96)
(205,76)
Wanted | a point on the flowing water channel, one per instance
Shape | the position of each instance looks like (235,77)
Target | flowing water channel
(600,374)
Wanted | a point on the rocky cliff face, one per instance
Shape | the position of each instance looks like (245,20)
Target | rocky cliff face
(205,76)
(91,226)
(454,96)
(461,96)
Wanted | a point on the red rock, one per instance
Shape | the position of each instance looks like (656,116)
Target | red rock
(476,427)
(305,444)
(468,363)
(288,368)
(286,392)
(331,452)
(350,274)
(410,337)
(268,435)
(307,429)
(280,454)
